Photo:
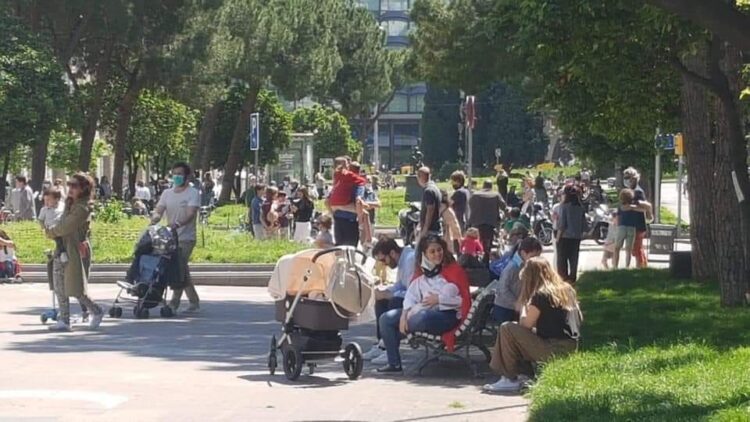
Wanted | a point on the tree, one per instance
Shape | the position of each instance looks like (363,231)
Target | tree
(32,93)
(440,121)
(65,149)
(261,41)
(333,136)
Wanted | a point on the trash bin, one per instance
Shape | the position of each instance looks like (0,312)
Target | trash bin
(681,264)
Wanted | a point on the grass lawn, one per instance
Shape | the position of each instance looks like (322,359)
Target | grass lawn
(654,349)
(114,242)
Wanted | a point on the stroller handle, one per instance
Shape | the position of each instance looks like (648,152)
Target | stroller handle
(337,249)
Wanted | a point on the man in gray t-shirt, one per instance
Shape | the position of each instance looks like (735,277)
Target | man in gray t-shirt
(180,204)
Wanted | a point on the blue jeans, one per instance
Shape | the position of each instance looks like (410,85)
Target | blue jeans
(500,314)
(384,305)
(9,270)
(427,321)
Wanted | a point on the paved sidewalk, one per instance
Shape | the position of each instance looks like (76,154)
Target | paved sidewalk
(207,367)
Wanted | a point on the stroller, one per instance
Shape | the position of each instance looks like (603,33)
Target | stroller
(317,293)
(10,268)
(154,268)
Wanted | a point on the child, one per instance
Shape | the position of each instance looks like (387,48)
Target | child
(609,243)
(270,217)
(7,256)
(283,209)
(471,245)
(49,216)
(324,239)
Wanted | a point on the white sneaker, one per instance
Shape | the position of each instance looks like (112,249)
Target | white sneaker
(380,360)
(96,320)
(503,385)
(59,326)
(374,352)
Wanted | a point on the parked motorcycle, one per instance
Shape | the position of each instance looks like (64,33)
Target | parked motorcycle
(597,221)
(408,220)
(542,225)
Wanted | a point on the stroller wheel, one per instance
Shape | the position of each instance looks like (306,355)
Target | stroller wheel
(292,363)
(166,312)
(272,359)
(118,312)
(112,312)
(44,318)
(353,361)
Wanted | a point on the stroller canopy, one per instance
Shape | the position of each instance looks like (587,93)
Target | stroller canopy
(288,276)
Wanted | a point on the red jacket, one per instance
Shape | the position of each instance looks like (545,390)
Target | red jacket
(455,274)
(344,183)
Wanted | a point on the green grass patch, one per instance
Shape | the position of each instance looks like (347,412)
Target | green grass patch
(219,242)
(654,349)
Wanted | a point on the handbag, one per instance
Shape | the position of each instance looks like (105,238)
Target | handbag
(350,287)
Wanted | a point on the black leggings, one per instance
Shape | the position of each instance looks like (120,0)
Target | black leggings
(567,259)
(345,231)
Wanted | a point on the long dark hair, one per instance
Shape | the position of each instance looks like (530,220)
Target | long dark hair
(426,241)
(86,184)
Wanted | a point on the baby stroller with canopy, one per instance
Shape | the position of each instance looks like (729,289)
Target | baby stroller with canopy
(155,267)
(318,293)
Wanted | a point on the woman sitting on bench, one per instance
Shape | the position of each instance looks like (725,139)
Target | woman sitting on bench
(436,301)
(548,327)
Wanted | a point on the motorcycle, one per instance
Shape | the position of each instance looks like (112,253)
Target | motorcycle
(408,220)
(597,221)
(542,225)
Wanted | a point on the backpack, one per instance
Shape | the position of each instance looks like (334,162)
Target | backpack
(497,266)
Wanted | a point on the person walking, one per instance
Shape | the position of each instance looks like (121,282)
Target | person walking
(105,189)
(180,203)
(570,228)
(484,214)
(502,183)
(70,279)
(429,214)
(22,200)
(207,187)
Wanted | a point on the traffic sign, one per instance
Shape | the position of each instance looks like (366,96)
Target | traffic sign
(253,137)
(498,152)
(664,141)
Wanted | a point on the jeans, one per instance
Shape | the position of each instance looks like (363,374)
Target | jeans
(9,270)
(500,314)
(428,321)
(384,305)
(259,231)
(567,259)
(345,229)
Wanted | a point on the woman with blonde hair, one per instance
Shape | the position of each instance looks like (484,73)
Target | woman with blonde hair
(549,326)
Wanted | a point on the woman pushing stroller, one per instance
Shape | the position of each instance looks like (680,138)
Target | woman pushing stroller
(436,301)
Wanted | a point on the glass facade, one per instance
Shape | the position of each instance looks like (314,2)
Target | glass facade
(397,28)
(395,5)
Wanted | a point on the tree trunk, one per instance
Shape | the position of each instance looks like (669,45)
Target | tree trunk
(6,168)
(124,114)
(39,162)
(90,124)
(198,160)
(238,141)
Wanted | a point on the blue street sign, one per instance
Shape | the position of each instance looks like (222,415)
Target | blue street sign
(253,137)
(665,141)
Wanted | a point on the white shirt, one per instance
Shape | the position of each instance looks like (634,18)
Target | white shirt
(555,215)
(421,287)
(176,206)
(50,217)
(142,193)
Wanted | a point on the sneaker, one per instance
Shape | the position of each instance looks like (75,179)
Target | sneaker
(374,352)
(388,369)
(193,308)
(96,320)
(380,360)
(503,385)
(59,326)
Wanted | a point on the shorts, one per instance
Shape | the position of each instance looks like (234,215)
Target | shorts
(625,235)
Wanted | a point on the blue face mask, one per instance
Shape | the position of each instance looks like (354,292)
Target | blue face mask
(178,180)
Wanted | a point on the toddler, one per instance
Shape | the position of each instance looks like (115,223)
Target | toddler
(49,217)
(609,243)
(471,244)
(7,256)
(324,239)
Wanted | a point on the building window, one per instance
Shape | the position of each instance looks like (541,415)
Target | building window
(399,104)
(395,5)
(372,5)
(397,28)
(416,103)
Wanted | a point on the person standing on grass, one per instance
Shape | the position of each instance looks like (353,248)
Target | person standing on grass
(543,331)
(484,214)
(303,208)
(570,227)
(71,277)
(631,179)
(460,199)
(429,214)
(22,200)
(256,211)
(181,203)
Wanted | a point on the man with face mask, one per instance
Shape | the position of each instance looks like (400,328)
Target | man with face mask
(393,256)
(181,203)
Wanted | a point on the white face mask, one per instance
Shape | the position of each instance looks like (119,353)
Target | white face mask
(427,264)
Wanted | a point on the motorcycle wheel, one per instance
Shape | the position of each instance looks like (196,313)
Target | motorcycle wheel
(601,234)
(546,235)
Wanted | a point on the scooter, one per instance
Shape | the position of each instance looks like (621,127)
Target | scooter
(597,221)
(408,220)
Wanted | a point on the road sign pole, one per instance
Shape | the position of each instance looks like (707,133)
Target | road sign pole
(257,171)
(657,180)
(470,152)
(680,169)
